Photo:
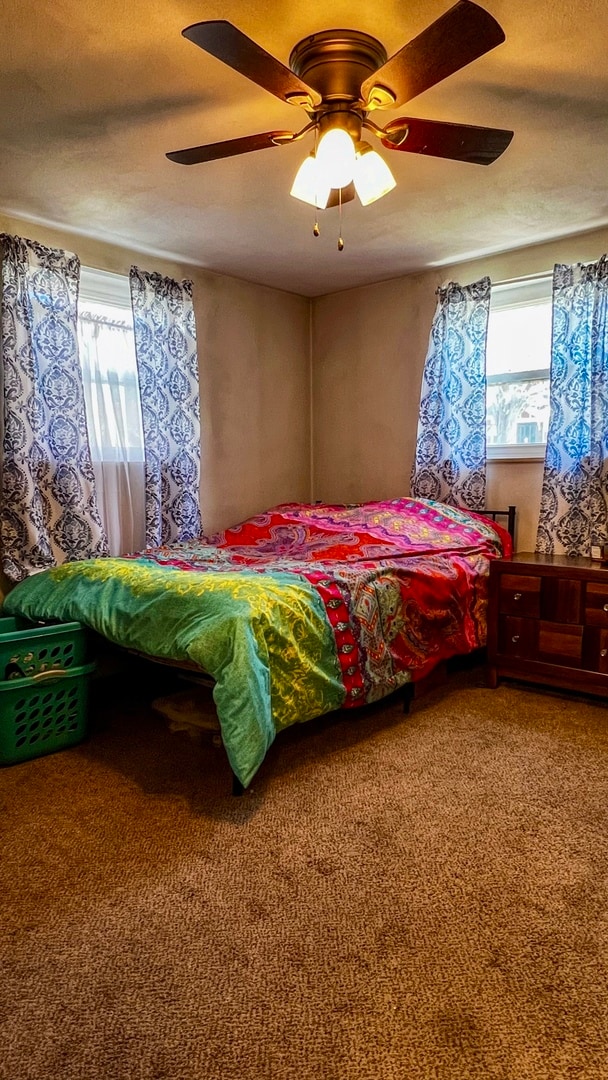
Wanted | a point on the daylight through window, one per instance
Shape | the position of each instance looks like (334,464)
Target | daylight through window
(111,389)
(517,364)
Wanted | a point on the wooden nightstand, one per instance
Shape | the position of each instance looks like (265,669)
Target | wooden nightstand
(548,622)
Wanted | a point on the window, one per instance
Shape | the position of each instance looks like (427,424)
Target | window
(107,356)
(111,389)
(517,365)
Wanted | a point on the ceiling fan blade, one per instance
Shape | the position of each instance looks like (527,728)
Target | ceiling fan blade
(460,142)
(229,44)
(462,34)
(213,151)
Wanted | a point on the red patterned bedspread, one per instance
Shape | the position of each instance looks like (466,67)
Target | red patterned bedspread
(403,582)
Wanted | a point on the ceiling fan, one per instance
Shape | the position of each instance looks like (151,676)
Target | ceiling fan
(339,77)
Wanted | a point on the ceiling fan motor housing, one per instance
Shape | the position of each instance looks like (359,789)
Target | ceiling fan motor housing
(336,62)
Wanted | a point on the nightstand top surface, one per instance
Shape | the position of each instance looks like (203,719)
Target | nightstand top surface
(565,562)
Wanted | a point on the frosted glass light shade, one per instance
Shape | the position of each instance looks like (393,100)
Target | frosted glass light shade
(336,157)
(372,176)
(310,185)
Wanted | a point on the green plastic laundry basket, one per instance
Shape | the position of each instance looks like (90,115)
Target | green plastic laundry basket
(42,714)
(27,649)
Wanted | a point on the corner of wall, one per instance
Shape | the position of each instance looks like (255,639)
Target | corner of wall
(311,419)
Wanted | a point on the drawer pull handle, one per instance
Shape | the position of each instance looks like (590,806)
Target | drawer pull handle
(605,607)
(603,652)
(515,639)
(517,596)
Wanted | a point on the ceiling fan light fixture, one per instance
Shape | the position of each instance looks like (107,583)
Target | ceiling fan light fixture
(310,184)
(336,157)
(372,176)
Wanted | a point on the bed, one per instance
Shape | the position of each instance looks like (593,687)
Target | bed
(293,613)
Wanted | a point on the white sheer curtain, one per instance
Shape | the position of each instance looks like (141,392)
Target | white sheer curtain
(107,354)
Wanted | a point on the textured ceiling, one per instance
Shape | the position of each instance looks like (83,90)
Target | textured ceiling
(93,95)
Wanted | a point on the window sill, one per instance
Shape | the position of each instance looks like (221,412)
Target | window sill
(516,452)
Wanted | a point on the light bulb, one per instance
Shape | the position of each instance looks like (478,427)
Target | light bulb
(310,185)
(372,176)
(336,157)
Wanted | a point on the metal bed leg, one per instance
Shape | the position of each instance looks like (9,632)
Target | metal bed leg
(237,787)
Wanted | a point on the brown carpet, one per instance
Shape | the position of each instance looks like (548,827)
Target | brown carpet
(397,898)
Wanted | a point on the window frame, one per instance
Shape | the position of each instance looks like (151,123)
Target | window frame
(105,287)
(517,293)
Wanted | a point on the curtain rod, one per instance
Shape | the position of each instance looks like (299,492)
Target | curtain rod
(525,277)
(102,320)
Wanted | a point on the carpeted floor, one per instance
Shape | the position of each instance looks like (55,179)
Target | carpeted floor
(419,897)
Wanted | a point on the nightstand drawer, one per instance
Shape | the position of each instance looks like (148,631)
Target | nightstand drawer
(596,604)
(517,636)
(548,642)
(560,643)
(519,594)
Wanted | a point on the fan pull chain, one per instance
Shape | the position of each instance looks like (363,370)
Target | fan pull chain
(340,240)
(315,229)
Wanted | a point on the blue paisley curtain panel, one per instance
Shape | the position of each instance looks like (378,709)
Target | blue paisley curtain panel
(574,498)
(165,347)
(450,463)
(48,507)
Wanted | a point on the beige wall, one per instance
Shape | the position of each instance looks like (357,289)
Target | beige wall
(368,348)
(368,345)
(255,399)
(254,358)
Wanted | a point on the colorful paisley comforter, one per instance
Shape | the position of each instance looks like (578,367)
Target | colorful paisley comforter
(296,612)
